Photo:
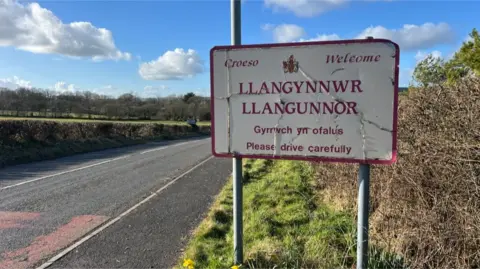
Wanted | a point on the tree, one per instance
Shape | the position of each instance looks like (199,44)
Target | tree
(88,102)
(48,103)
(430,71)
(466,60)
(188,96)
(129,101)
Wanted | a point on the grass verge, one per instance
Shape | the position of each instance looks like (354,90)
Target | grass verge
(285,224)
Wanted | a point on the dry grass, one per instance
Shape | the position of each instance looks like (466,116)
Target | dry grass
(427,206)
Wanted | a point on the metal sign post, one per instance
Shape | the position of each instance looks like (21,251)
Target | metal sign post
(363,207)
(363,210)
(236,39)
(303,101)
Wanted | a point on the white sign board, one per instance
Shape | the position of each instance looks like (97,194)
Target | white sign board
(330,101)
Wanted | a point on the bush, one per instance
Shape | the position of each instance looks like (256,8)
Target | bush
(426,206)
(18,139)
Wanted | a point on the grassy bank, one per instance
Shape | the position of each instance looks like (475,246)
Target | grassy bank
(27,141)
(285,224)
(425,207)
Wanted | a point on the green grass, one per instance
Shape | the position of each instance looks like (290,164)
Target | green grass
(285,225)
(206,123)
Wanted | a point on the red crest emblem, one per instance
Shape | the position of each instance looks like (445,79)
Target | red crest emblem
(291,65)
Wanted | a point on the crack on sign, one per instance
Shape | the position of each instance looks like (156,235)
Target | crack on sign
(361,115)
(317,96)
(363,134)
(277,138)
(336,70)
(226,97)
(229,118)
(377,125)
(283,102)
(307,76)
(337,137)
(229,106)
(291,141)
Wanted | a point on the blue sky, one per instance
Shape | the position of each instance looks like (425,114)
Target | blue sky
(158,48)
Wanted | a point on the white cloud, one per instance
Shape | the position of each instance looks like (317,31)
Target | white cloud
(323,37)
(35,29)
(108,90)
(14,83)
(413,37)
(176,64)
(287,33)
(268,27)
(305,8)
(62,86)
(409,37)
(421,55)
(153,91)
(155,88)
(293,33)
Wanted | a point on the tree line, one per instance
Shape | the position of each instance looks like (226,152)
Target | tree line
(34,102)
(464,63)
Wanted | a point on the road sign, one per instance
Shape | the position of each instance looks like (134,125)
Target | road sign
(332,101)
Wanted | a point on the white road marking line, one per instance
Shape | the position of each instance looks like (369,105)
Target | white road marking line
(169,146)
(155,149)
(64,172)
(164,147)
(106,225)
(88,166)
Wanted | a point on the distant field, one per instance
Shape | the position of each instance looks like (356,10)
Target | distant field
(205,123)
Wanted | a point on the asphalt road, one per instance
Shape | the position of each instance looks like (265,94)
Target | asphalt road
(124,208)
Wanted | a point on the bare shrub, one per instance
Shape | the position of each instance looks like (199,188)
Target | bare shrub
(427,205)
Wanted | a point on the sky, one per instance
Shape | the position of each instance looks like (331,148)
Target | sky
(157,48)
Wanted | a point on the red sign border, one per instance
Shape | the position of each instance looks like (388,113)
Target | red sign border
(310,158)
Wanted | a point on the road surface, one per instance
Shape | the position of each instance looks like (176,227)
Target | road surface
(121,208)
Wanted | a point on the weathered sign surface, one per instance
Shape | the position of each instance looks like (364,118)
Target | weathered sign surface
(325,101)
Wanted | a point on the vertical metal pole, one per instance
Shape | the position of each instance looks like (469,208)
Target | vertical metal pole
(236,36)
(237,211)
(363,210)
